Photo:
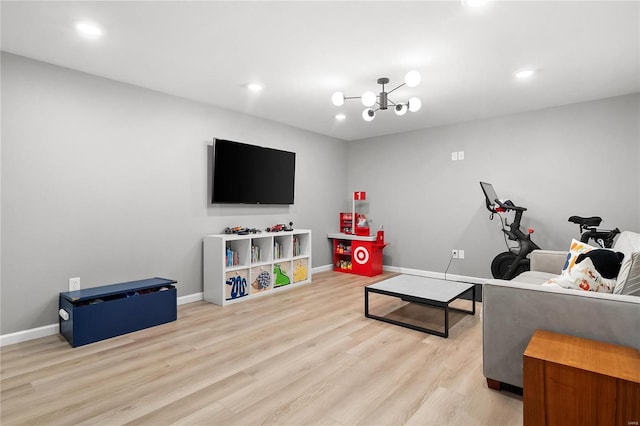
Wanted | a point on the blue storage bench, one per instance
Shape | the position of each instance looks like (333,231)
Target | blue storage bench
(99,313)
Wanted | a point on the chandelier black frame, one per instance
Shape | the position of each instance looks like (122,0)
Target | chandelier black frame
(382,100)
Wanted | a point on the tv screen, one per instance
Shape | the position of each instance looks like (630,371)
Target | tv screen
(249,174)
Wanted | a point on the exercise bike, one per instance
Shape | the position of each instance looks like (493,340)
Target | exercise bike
(510,263)
(589,231)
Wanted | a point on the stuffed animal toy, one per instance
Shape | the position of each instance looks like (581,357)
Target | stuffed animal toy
(606,262)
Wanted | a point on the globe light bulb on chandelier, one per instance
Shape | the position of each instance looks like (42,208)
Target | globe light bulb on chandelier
(368,114)
(374,103)
(412,79)
(368,99)
(415,104)
(338,99)
(401,109)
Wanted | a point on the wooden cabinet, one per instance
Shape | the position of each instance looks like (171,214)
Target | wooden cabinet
(569,380)
(241,267)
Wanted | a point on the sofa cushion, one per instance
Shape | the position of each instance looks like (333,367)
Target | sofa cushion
(550,261)
(629,276)
(534,277)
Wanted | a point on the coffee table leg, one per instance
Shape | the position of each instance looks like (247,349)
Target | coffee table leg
(446,321)
(473,302)
(473,299)
(366,302)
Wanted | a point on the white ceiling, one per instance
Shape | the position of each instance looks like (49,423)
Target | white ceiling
(304,51)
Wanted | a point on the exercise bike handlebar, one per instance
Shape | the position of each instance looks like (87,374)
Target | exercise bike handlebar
(602,237)
(508,205)
(492,200)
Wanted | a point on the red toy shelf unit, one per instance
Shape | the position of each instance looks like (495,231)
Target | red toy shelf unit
(347,224)
(361,255)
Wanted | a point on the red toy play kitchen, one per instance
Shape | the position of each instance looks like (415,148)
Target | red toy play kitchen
(354,249)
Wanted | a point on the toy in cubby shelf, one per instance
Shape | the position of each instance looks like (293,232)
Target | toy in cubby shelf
(278,250)
(256,254)
(232,258)
(281,275)
(343,248)
(262,280)
(236,285)
(297,247)
(280,227)
(241,230)
(345,222)
(344,264)
(300,270)
(361,224)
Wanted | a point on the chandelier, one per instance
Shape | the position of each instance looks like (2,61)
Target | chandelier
(370,99)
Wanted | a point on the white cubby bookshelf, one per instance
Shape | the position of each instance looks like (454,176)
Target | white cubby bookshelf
(241,267)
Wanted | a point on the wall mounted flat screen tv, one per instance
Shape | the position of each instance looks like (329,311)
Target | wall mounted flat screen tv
(250,174)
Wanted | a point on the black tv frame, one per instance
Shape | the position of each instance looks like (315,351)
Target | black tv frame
(251,174)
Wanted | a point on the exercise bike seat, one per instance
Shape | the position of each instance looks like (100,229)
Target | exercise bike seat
(586,221)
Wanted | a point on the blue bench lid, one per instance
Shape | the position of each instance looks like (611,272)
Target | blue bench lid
(113,289)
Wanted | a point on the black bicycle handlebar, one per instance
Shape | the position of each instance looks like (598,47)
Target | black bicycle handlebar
(508,205)
(607,236)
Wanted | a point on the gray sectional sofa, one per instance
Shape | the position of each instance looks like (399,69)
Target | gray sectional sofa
(513,310)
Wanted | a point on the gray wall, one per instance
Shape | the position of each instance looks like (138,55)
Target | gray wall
(579,159)
(108,182)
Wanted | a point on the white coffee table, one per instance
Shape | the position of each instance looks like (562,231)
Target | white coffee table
(423,291)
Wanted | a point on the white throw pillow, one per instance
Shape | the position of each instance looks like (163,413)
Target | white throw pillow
(584,276)
(576,248)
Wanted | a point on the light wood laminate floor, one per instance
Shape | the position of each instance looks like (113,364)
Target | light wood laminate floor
(306,356)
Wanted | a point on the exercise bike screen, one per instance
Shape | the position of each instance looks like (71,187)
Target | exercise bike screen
(489,192)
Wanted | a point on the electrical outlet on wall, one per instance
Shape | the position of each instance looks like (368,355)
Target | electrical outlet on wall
(74,284)
(454,253)
(460,254)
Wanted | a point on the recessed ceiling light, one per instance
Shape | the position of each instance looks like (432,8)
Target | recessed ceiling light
(255,87)
(340,116)
(88,29)
(524,73)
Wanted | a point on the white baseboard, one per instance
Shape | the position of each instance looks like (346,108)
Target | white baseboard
(51,329)
(190,298)
(438,275)
(23,336)
(323,268)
